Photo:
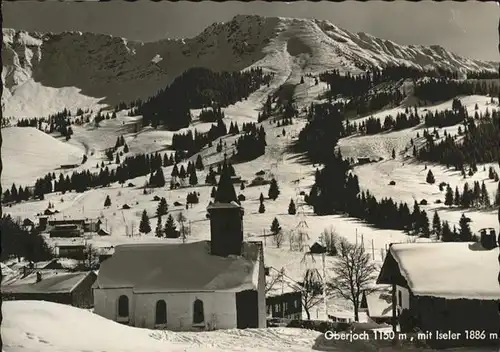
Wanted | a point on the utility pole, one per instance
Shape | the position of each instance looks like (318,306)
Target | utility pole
(373,250)
(324,287)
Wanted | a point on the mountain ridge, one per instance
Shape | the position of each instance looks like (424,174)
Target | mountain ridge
(101,68)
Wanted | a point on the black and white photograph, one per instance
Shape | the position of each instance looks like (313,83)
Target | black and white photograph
(250,176)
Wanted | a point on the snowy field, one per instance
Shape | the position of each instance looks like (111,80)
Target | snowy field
(36,326)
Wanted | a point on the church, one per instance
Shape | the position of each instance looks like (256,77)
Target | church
(205,285)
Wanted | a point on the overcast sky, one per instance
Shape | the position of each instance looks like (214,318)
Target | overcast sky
(469,28)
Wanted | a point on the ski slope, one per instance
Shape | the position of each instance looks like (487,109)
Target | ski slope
(28,153)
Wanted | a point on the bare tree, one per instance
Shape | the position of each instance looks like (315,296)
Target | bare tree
(300,239)
(291,239)
(184,230)
(273,281)
(329,238)
(355,273)
(91,257)
(278,238)
(311,289)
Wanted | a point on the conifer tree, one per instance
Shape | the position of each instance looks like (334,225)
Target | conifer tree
(117,161)
(274,191)
(193,179)
(275,226)
(107,201)
(175,171)
(170,228)
(159,228)
(213,192)
(162,208)
(448,200)
(485,196)
(261,198)
(436,224)
(424,224)
(262,208)
(457,200)
(144,225)
(291,208)
(182,172)
(125,148)
(430,178)
(242,186)
(393,153)
(447,235)
(199,163)
(157,179)
(465,231)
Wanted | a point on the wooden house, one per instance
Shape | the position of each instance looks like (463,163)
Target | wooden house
(286,306)
(53,286)
(71,250)
(444,287)
(317,248)
(67,230)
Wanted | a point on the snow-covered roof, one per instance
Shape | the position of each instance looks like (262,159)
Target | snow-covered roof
(54,281)
(379,302)
(179,267)
(449,270)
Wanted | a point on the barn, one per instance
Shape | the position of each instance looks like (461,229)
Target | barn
(442,287)
(67,230)
(71,250)
(162,286)
(59,286)
(286,305)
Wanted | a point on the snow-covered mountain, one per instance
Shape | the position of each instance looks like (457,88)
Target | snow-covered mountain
(43,73)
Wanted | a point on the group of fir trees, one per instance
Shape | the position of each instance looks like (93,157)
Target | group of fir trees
(189,173)
(191,143)
(355,85)
(167,230)
(322,132)
(251,145)
(441,89)
(58,122)
(198,88)
(19,243)
(443,231)
(475,197)
(478,144)
(79,181)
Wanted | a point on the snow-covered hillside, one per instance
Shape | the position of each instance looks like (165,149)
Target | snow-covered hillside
(37,326)
(30,326)
(29,153)
(44,73)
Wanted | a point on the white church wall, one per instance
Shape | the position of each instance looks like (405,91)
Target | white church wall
(219,310)
(106,303)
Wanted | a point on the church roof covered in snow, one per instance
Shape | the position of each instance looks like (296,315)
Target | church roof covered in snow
(450,270)
(149,268)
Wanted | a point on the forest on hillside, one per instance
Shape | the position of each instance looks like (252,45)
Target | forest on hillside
(198,88)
